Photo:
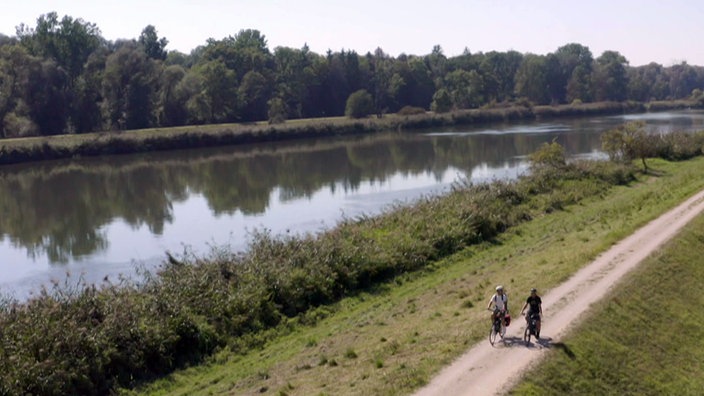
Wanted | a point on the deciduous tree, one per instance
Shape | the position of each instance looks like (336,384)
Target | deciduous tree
(628,142)
(609,77)
(531,79)
(360,104)
(154,46)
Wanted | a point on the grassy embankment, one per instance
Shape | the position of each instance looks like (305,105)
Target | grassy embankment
(644,339)
(394,339)
(123,142)
(90,340)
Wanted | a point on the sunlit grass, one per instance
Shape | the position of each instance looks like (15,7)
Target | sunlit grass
(424,320)
(644,339)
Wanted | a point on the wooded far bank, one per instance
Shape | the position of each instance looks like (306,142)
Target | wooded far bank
(62,77)
(187,137)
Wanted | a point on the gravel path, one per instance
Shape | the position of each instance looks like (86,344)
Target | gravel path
(487,370)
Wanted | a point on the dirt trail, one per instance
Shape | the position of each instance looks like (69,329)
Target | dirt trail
(487,370)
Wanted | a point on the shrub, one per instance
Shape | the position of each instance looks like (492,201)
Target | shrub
(411,110)
(677,146)
(549,155)
(442,101)
(359,104)
(92,341)
(277,111)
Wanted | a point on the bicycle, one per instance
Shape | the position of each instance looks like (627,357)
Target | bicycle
(498,327)
(531,328)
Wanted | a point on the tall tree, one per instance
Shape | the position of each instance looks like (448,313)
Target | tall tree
(609,77)
(419,88)
(648,82)
(154,46)
(436,62)
(498,71)
(254,92)
(46,96)
(683,79)
(13,79)
(381,80)
(85,110)
(172,100)
(219,92)
(465,88)
(579,85)
(293,78)
(69,42)
(244,52)
(532,79)
(573,68)
(129,84)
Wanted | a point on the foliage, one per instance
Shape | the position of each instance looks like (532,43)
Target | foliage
(442,101)
(154,46)
(411,110)
(621,360)
(628,142)
(359,104)
(120,334)
(423,320)
(549,155)
(277,111)
(678,146)
(64,77)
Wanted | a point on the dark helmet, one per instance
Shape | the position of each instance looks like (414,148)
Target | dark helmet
(533,290)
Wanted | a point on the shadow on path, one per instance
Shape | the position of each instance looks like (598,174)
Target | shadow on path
(542,343)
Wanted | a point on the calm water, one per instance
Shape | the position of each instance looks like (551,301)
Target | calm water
(102,217)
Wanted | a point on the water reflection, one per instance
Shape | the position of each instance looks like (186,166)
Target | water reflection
(105,212)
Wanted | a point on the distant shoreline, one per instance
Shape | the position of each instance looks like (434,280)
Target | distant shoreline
(33,149)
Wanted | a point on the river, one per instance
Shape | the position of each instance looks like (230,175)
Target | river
(87,219)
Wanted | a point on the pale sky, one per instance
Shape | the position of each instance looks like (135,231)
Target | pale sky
(663,31)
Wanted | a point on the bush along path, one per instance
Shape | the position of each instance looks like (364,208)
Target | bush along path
(89,340)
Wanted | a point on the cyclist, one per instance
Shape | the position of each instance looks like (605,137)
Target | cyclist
(500,302)
(535,308)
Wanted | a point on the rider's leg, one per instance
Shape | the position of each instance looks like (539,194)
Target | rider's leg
(537,328)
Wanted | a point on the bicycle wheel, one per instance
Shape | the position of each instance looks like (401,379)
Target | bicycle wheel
(492,335)
(526,334)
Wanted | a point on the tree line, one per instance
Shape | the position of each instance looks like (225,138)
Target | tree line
(62,76)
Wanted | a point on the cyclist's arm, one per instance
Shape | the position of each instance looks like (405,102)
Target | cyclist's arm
(524,308)
(491,300)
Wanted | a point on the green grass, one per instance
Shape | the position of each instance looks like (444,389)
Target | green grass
(404,332)
(644,339)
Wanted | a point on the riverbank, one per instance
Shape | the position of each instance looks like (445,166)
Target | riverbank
(641,340)
(394,339)
(91,340)
(125,142)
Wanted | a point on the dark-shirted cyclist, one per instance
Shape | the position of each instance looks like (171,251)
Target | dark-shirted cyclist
(535,309)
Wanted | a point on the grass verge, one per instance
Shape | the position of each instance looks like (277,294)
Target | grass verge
(644,339)
(393,339)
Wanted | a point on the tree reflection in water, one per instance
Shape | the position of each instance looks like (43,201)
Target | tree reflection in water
(63,209)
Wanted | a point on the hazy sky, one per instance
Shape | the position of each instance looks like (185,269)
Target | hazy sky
(662,31)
